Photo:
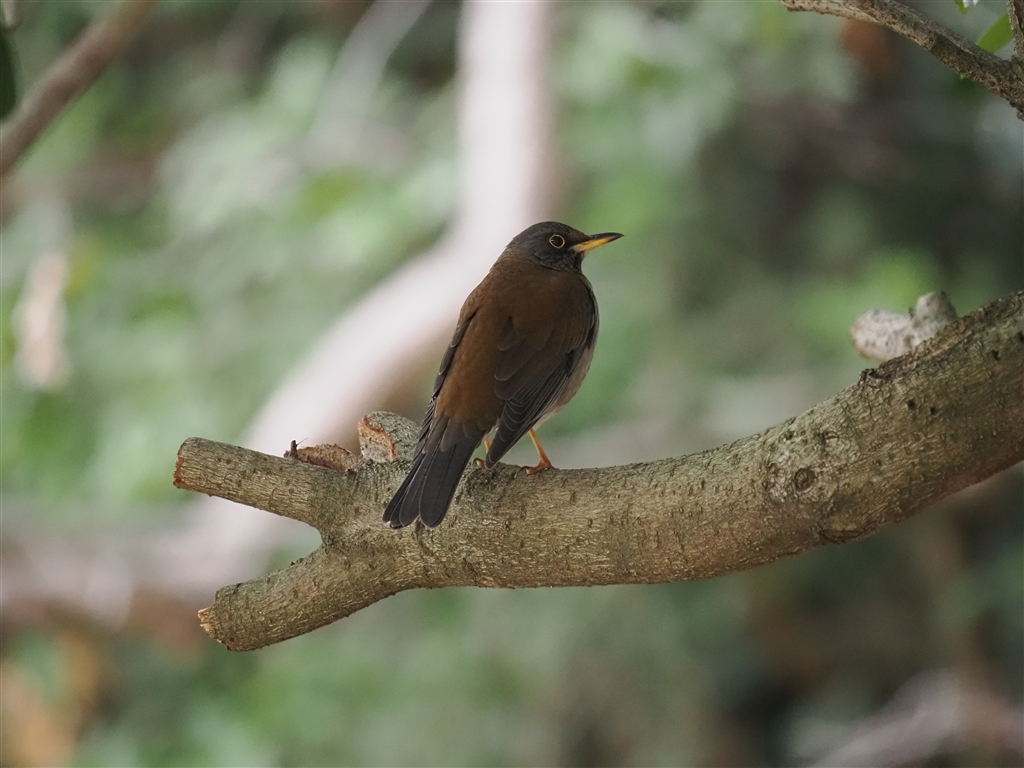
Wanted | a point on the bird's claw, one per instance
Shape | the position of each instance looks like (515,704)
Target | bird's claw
(541,466)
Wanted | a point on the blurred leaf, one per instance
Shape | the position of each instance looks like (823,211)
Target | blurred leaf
(8,83)
(965,5)
(998,35)
(327,191)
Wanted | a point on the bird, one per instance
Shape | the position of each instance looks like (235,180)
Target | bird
(522,345)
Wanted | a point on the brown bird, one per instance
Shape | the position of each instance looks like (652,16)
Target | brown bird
(522,345)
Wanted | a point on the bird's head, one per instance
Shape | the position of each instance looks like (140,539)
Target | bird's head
(557,246)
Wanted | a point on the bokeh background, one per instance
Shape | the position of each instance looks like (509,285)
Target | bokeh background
(167,261)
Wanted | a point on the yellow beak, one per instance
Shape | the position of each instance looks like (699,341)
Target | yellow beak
(595,240)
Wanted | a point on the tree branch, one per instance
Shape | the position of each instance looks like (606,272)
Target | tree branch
(75,70)
(1015,10)
(1003,77)
(929,714)
(910,432)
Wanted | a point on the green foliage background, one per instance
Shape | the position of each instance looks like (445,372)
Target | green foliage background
(775,177)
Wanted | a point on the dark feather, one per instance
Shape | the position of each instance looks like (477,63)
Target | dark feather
(430,485)
(522,412)
(439,459)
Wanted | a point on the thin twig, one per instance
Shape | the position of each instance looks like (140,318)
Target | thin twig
(75,70)
(1005,78)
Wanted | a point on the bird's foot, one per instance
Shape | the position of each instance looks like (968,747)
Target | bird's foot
(543,461)
(480,462)
(541,466)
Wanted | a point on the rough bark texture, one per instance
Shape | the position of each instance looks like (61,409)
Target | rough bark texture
(1004,77)
(910,432)
(1016,14)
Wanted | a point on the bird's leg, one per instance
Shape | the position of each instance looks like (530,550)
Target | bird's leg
(544,462)
(487,447)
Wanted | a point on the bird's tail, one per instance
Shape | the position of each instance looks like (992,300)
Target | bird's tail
(430,485)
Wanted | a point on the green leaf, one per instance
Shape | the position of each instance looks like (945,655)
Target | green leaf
(965,5)
(997,35)
(8,84)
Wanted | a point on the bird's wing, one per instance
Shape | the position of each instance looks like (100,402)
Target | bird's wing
(522,412)
(442,373)
(533,368)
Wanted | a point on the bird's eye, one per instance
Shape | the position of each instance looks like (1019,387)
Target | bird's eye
(557,240)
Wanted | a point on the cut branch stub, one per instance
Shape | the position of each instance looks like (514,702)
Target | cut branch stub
(879,334)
